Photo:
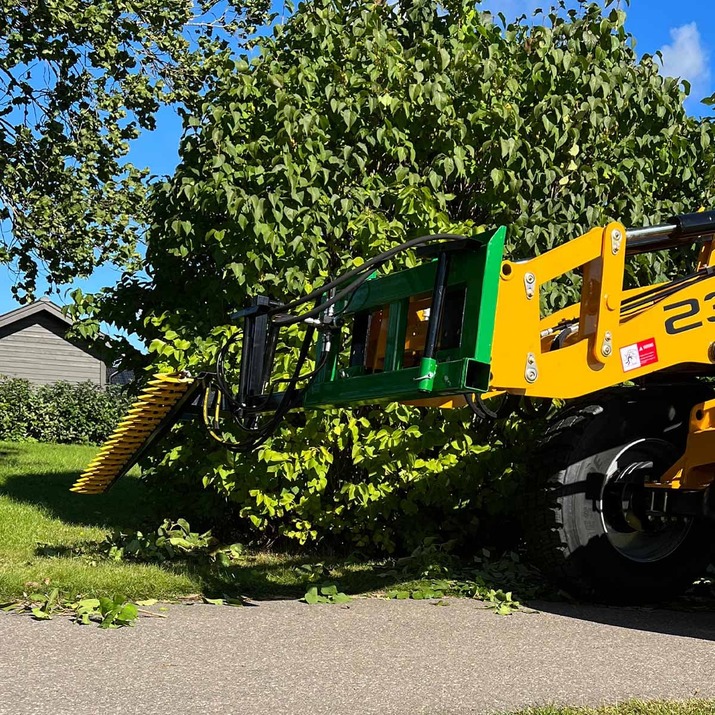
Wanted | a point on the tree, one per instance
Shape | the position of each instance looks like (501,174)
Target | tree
(78,81)
(357,126)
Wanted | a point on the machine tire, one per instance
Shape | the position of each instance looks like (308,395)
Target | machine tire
(568,535)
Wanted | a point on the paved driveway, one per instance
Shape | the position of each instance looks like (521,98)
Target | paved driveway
(373,656)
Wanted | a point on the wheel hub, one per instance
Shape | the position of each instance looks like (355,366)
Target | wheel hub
(635,532)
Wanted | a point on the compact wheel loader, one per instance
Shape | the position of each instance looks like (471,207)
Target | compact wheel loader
(619,505)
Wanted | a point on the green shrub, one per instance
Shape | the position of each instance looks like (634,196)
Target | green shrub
(65,413)
(358,126)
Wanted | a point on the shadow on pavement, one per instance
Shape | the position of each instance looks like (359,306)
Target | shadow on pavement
(696,621)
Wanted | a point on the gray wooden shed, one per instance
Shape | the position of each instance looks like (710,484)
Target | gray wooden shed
(33,346)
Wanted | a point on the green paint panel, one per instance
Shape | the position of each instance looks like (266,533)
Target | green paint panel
(464,368)
(450,379)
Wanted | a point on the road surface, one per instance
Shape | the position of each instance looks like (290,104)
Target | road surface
(370,656)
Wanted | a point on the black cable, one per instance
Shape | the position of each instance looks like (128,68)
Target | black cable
(664,292)
(479,407)
(367,265)
(284,321)
(669,288)
(262,433)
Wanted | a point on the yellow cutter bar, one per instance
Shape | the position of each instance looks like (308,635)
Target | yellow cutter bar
(156,409)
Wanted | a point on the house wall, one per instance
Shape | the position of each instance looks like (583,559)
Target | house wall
(34,348)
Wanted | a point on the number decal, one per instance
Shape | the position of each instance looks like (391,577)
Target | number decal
(711,297)
(689,308)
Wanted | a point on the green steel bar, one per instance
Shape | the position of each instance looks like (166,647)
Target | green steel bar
(450,379)
(464,368)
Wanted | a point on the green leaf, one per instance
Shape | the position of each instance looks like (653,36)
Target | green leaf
(213,601)
(40,614)
(311,595)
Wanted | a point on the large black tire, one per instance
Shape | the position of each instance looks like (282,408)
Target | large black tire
(579,533)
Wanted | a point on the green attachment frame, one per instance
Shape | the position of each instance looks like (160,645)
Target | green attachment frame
(461,359)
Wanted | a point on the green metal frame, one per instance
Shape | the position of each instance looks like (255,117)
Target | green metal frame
(461,369)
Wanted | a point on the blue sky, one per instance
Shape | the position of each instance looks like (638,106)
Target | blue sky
(682,31)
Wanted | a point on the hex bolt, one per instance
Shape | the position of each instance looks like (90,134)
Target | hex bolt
(606,350)
(530,278)
(531,373)
(616,237)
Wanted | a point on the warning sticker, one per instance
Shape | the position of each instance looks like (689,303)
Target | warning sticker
(639,354)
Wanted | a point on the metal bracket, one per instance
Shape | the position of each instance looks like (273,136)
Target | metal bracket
(531,373)
(606,347)
(529,285)
(616,241)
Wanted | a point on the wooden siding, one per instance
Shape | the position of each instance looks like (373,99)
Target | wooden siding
(34,348)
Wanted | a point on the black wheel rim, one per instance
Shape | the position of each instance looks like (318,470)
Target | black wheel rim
(631,530)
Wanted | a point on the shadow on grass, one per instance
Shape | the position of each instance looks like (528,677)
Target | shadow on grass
(259,576)
(127,506)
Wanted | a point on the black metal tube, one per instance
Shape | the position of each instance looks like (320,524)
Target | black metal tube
(664,229)
(680,230)
(437,308)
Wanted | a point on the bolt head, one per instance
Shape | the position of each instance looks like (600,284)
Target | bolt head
(606,350)
(530,277)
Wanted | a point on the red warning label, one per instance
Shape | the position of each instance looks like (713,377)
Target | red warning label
(639,354)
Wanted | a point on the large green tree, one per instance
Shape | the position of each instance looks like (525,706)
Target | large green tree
(79,80)
(357,126)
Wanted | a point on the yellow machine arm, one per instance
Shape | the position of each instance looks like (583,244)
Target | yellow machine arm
(611,335)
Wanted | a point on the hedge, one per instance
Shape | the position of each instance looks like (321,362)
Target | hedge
(65,413)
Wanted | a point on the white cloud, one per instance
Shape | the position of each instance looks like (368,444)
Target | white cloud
(686,57)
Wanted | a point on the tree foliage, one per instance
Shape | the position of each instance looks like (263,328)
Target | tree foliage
(360,125)
(78,81)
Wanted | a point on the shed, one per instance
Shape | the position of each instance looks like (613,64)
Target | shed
(33,346)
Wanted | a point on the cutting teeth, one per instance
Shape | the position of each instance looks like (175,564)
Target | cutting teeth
(145,416)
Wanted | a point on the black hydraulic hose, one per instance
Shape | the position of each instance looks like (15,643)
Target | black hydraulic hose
(285,320)
(665,291)
(367,265)
(262,433)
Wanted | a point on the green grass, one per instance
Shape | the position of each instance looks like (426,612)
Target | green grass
(634,707)
(36,508)
(38,511)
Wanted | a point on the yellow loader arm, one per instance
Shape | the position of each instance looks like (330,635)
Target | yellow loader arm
(448,332)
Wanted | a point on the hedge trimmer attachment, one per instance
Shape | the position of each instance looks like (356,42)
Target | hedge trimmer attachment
(158,407)
(462,323)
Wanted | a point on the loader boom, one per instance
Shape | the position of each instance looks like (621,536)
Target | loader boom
(462,324)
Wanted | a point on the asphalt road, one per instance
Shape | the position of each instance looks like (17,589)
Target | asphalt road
(371,656)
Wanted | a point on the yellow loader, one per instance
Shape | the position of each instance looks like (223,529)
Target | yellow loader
(619,505)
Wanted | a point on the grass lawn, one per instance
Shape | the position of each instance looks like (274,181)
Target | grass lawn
(40,516)
(635,707)
(37,508)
